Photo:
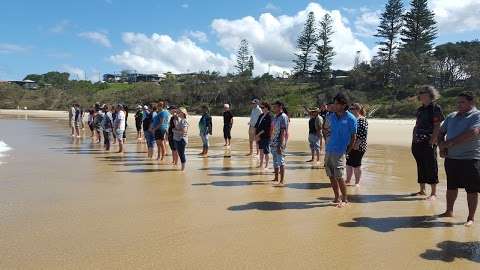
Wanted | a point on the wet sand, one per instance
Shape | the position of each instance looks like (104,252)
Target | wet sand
(65,204)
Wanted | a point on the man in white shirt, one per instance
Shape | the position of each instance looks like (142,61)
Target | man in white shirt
(119,127)
(256,112)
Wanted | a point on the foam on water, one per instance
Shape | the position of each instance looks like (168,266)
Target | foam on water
(4,148)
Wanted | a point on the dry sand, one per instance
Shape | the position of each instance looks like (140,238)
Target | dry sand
(381,131)
(66,204)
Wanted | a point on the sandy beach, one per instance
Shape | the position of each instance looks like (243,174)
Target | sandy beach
(67,204)
(381,131)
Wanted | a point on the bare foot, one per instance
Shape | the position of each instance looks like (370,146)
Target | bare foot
(279,184)
(310,160)
(431,198)
(336,201)
(249,154)
(342,204)
(446,214)
(420,193)
(469,223)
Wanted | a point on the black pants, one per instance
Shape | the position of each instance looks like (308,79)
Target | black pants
(427,167)
(227,132)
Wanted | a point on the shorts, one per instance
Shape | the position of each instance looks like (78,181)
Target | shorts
(314,142)
(354,158)
(160,134)
(251,134)
(119,133)
(335,165)
(227,132)
(138,125)
(463,173)
(278,159)
(264,145)
(149,138)
(91,126)
(204,138)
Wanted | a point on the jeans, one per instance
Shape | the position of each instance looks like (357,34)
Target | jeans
(204,138)
(180,146)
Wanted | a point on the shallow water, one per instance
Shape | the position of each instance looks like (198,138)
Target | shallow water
(66,204)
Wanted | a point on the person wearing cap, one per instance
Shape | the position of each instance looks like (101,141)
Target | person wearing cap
(315,141)
(180,135)
(119,126)
(278,142)
(138,122)
(227,124)
(255,113)
(341,139)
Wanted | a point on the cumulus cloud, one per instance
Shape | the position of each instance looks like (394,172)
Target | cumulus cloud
(271,7)
(60,27)
(160,53)
(273,38)
(97,37)
(457,16)
(7,48)
(199,36)
(272,41)
(367,22)
(185,5)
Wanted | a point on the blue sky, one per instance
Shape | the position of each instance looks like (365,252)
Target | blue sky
(88,37)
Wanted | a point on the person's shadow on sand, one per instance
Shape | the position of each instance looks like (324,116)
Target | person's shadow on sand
(390,224)
(373,198)
(275,206)
(450,250)
(232,183)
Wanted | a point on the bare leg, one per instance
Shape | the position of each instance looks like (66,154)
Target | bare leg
(433,195)
(313,156)
(334,183)
(472,199)
(159,148)
(150,153)
(175,157)
(120,145)
(267,157)
(349,174)
(261,160)
(276,170)
(163,149)
(282,174)
(422,191)
(358,174)
(318,155)
(451,198)
(343,189)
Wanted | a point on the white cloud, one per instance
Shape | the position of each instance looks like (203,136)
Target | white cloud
(272,40)
(97,37)
(60,27)
(160,53)
(185,5)
(199,36)
(7,48)
(457,16)
(366,23)
(76,73)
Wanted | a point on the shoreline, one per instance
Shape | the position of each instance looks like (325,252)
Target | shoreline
(395,132)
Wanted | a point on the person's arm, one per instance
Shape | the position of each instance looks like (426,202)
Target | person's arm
(210,125)
(435,134)
(353,138)
(464,137)
(441,142)
(231,120)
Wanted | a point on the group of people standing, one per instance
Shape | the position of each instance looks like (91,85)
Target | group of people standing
(339,126)
(457,139)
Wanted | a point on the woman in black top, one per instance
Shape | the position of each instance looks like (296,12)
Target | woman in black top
(424,141)
(354,159)
(227,124)
(263,129)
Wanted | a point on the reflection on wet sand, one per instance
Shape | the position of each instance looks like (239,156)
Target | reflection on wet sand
(65,203)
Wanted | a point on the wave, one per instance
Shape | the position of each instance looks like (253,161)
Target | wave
(4,147)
